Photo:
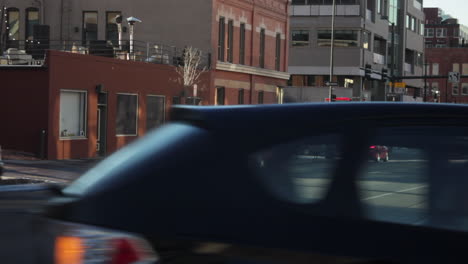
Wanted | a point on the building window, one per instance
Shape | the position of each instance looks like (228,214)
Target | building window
(230,47)
(366,37)
(262,49)
(176,100)
(413,24)
(12,27)
(32,19)
(90,26)
(408,21)
(242,44)
(126,119)
(260,97)
(465,69)
(455,89)
(435,69)
(112,32)
(464,88)
(300,38)
(421,26)
(343,38)
(220,97)
(429,32)
(380,45)
(278,52)
(441,32)
(221,38)
(72,114)
(155,111)
(456,67)
(240,96)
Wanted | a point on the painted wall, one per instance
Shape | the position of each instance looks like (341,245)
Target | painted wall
(23,108)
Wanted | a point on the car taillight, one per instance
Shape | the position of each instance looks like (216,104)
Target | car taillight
(372,147)
(84,245)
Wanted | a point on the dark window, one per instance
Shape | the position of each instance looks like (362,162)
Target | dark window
(90,26)
(221,39)
(242,44)
(343,38)
(262,49)
(126,119)
(241,96)
(300,38)
(32,18)
(310,80)
(220,96)
(176,100)
(230,55)
(112,31)
(260,97)
(155,111)
(278,52)
(13,25)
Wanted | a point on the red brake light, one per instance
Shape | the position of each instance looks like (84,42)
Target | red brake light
(125,252)
(372,147)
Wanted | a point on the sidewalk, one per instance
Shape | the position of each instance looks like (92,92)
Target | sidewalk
(25,166)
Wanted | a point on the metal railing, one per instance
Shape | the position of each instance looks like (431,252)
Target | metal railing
(34,52)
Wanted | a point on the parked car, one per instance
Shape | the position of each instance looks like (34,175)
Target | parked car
(194,191)
(379,153)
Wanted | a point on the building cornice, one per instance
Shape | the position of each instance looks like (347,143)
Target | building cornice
(225,66)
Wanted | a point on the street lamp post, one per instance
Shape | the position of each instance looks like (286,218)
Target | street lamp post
(132,21)
(332,50)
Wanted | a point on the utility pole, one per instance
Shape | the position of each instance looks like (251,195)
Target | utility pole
(332,49)
(392,62)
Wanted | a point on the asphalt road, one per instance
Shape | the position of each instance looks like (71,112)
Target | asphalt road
(393,191)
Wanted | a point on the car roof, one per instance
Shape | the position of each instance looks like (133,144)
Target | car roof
(252,116)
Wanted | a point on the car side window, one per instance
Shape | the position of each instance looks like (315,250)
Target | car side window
(298,171)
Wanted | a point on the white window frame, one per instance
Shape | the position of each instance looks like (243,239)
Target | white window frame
(443,32)
(458,89)
(429,32)
(136,113)
(85,116)
(164,109)
(462,89)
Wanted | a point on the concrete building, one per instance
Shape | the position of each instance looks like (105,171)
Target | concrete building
(363,37)
(442,30)
(245,38)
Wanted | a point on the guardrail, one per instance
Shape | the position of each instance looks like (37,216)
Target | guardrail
(34,52)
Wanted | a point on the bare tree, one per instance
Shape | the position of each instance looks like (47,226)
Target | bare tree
(191,69)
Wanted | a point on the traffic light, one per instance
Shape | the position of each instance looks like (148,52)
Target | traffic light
(368,71)
(385,76)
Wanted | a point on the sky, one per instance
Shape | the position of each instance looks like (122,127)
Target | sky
(455,8)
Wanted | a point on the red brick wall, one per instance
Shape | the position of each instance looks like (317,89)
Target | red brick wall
(78,72)
(446,57)
(23,108)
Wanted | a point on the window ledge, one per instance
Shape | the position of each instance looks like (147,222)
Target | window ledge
(225,66)
(126,135)
(73,138)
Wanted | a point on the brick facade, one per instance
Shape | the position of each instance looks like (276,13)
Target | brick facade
(444,59)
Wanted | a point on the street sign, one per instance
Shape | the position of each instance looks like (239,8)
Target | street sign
(398,85)
(331,84)
(454,77)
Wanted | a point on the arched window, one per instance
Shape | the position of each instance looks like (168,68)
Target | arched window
(12,27)
(32,18)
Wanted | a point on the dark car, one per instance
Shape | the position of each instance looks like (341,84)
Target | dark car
(231,185)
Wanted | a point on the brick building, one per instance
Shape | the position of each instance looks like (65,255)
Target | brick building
(441,61)
(442,30)
(246,38)
(86,106)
